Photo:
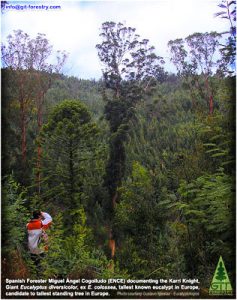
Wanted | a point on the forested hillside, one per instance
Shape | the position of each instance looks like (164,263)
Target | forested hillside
(137,169)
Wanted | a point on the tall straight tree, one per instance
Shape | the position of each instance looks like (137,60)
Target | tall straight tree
(29,58)
(197,58)
(130,70)
(43,74)
(15,57)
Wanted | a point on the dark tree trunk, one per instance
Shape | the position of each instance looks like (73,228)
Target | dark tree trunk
(40,101)
(23,131)
(210,97)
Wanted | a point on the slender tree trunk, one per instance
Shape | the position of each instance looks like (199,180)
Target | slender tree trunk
(210,96)
(22,101)
(40,101)
(210,105)
(39,104)
(38,175)
(112,242)
(23,131)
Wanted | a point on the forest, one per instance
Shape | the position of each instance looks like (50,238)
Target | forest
(137,169)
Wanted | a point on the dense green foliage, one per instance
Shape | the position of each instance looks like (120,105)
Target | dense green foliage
(175,209)
(169,163)
(66,139)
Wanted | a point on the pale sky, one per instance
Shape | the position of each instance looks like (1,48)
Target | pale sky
(75,27)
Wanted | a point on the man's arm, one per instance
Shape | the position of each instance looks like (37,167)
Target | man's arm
(47,220)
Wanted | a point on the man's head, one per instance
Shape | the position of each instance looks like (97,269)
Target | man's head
(36,214)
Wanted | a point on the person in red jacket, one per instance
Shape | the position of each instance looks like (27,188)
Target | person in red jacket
(39,222)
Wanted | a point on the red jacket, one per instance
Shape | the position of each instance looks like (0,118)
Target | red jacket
(35,230)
